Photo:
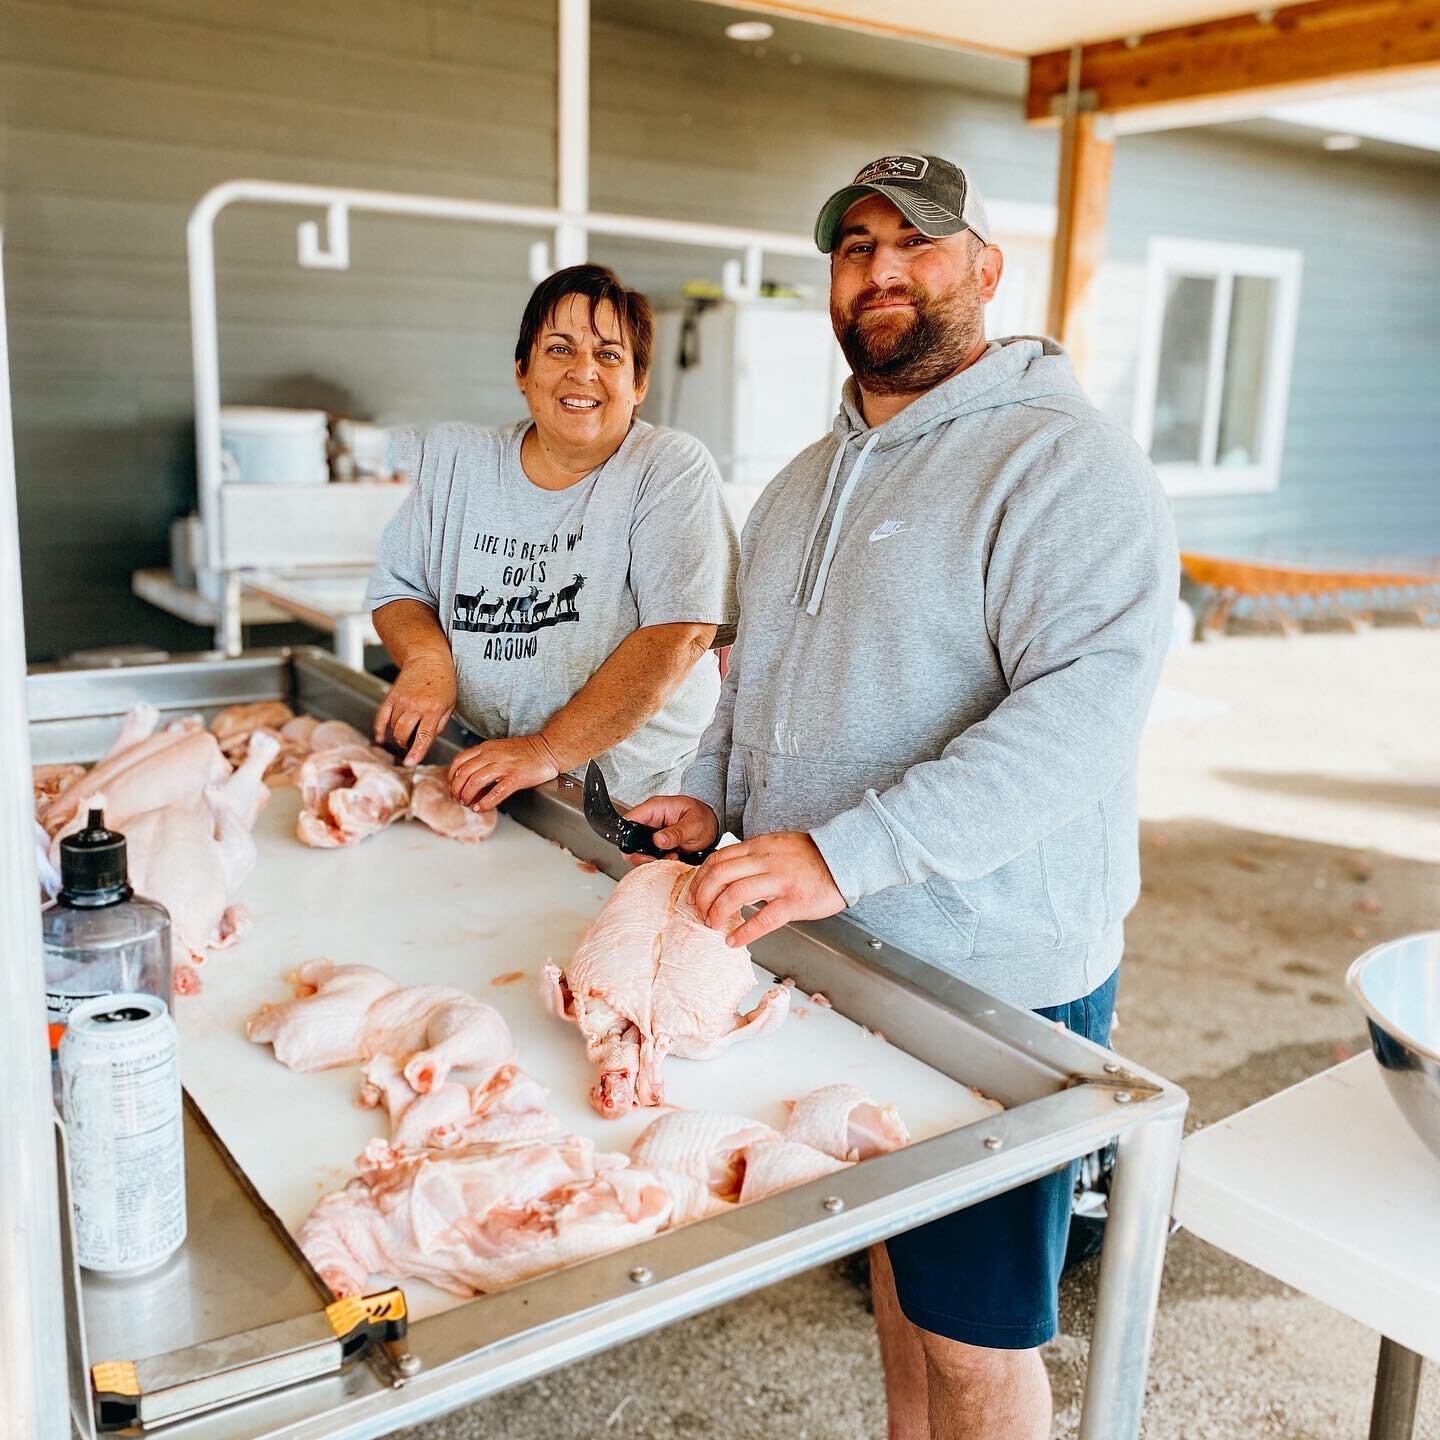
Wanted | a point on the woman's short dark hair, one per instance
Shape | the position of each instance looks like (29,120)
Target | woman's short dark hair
(598,285)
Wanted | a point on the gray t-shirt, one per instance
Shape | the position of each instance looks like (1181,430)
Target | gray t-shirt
(535,588)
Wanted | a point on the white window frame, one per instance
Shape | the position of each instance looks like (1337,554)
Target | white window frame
(1221,262)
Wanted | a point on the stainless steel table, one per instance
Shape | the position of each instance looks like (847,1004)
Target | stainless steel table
(1064,1098)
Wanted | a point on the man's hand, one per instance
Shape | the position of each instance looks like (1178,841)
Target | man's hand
(785,870)
(485,775)
(683,823)
(419,704)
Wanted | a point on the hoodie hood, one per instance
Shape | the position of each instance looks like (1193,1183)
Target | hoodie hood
(1011,371)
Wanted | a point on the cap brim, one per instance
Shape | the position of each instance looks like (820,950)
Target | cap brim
(832,212)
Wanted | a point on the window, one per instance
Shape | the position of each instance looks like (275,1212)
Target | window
(1214,373)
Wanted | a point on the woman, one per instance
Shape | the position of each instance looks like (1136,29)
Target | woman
(582,563)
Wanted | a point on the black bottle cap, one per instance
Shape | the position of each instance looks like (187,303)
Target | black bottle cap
(93,869)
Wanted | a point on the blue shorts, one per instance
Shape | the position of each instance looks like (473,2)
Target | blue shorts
(989,1275)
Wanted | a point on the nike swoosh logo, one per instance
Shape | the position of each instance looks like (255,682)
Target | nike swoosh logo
(886,530)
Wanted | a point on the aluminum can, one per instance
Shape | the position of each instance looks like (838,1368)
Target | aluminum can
(120,1079)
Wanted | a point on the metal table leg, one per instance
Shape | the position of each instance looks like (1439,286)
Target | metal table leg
(1397,1392)
(1130,1266)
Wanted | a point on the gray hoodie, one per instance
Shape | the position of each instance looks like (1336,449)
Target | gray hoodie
(950,631)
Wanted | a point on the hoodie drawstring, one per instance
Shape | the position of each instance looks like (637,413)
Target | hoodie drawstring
(817,592)
(819,516)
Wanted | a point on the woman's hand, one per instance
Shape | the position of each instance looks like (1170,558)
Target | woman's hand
(419,704)
(485,775)
(681,823)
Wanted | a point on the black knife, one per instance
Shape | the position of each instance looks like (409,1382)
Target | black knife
(628,836)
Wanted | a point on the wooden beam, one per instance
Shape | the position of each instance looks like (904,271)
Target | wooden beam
(1086,153)
(1266,51)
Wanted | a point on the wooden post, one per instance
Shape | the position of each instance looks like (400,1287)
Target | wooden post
(1086,151)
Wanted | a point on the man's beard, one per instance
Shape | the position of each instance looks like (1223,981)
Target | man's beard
(894,358)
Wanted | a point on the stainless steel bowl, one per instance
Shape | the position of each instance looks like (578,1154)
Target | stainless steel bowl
(1398,987)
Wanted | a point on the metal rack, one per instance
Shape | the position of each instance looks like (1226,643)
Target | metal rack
(1064,1098)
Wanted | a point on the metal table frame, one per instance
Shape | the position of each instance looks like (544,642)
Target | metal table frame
(1065,1098)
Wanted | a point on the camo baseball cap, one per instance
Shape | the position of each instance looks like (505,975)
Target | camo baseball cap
(935,196)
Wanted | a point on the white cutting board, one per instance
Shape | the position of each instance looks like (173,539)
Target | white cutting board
(427,910)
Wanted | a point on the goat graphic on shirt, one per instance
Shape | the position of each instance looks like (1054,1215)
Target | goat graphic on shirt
(518,603)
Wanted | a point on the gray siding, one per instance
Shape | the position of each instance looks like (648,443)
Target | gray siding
(1361,465)
(121,115)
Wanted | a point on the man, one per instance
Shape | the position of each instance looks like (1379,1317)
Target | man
(953,612)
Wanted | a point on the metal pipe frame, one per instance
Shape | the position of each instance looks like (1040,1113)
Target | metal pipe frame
(338,203)
(570,220)
(33,1373)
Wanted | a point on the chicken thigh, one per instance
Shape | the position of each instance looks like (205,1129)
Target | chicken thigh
(650,979)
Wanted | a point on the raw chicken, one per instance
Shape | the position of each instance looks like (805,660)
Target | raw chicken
(348,1013)
(234,725)
(193,855)
(700,1157)
(175,766)
(649,979)
(139,724)
(842,1121)
(320,1028)
(50,780)
(348,795)
(771,1166)
(431,1030)
(432,804)
(508,1106)
(479,1218)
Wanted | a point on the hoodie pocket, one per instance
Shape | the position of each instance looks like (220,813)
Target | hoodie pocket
(962,917)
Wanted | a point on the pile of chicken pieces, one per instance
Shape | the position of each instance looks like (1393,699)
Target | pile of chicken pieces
(186,799)
(475,1190)
(349,788)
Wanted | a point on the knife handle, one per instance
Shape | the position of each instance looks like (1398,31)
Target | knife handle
(637,839)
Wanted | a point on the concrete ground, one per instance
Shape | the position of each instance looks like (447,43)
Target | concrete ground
(1290,791)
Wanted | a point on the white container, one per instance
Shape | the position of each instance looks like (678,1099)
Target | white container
(273,447)
(121,1084)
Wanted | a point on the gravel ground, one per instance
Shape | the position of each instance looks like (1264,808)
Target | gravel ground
(1233,987)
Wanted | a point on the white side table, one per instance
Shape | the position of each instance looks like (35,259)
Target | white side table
(1325,1187)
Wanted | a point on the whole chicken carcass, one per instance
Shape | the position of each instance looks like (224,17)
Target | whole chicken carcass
(193,855)
(651,979)
(479,1218)
(348,794)
(175,766)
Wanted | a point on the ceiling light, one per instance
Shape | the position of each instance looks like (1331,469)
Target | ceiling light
(1341,142)
(754,30)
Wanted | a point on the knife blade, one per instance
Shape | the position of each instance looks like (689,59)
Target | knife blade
(628,836)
